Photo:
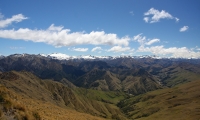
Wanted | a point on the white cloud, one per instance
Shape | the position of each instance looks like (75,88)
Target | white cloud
(174,52)
(57,36)
(139,38)
(55,28)
(197,48)
(120,49)
(146,19)
(143,41)
(14,18)
(184,28)
(157,15)
(177,19)
(96,49)
(79,49)
(160,50)
(152,41)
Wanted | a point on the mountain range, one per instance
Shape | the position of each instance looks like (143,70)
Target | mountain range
(105,87)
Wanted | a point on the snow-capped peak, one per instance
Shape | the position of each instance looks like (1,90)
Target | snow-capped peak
(59,56)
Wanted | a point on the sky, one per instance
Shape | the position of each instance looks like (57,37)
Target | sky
(166,28)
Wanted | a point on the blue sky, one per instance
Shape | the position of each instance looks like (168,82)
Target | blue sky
(101,27)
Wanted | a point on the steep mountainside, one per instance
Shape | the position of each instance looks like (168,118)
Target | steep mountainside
(100,80)
(15,106)
(132,75)
(56,93)
(37,87)
(25,96)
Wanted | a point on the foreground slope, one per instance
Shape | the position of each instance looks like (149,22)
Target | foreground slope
(23,95)
(181,102)
(14,106)
(47,91)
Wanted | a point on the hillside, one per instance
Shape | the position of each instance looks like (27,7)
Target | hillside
(180,103)
(109,88)
(47,91)
(133,75)
(17,107)
(25,96)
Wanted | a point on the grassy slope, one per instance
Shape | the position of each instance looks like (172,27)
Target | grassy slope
(92,102)
(138,85)
(18,107)
(175,75)
(49,97)
(183,76)
(181,103)
(102,102)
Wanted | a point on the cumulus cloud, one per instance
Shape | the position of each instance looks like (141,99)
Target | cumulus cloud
(174,52)
(157,15)
(15,18)
(57,36)
(160,50)
(120,49)
(79,49)
(184,28)
(96,49)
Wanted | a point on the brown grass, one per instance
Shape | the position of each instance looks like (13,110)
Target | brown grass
(179,103)
(52,93)
(18,107)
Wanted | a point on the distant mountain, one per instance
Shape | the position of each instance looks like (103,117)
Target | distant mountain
(61,56)
(1,56)
(133,75)
(63,87)
(99,80)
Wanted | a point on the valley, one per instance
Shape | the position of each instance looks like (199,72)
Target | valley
(40,87)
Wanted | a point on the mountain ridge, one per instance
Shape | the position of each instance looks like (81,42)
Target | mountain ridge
(106,88)
(134,75)
(61,56)
(31,94)
(47,91)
